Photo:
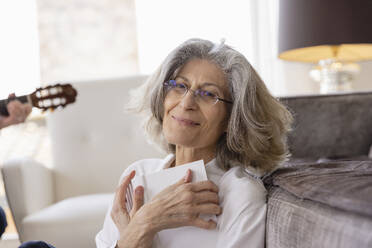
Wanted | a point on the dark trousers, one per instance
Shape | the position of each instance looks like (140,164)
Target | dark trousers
(35,244)
(3,223)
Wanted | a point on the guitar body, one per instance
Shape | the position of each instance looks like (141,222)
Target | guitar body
(50,97)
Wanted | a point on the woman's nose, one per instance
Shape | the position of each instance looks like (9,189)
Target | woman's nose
(188,101)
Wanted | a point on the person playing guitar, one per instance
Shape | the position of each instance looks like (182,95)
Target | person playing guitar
(18,113)
(15,110)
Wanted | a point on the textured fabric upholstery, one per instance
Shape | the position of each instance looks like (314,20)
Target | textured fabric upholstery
(330,126)
(317,201)
(295,222)
(346,185)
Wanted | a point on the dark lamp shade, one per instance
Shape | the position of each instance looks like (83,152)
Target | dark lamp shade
(312,30)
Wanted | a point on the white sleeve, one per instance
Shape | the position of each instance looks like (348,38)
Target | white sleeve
(109,235)
(247,230)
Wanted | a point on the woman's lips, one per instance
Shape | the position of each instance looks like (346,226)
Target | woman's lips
(185,121)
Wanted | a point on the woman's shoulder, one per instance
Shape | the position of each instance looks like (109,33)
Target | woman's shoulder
(244,187)
(242,198)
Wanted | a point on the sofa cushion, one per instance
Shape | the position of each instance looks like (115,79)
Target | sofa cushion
(295,222)
(73,222)
(345,185)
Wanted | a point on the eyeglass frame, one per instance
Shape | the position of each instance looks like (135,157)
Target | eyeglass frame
(195,92)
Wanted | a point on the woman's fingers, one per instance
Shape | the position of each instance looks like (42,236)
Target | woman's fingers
(207,208)
(119,213)
(204,185)
(206,196)
(138,198)
(120,196)
(198,222)
(188,176)
(186,179)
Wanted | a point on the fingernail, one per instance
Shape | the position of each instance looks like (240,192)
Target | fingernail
(139,190)
(213,224)
(187,175)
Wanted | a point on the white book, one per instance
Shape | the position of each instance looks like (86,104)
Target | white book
(154,183)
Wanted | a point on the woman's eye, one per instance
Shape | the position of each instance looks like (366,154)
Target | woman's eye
(181,86)
(171,83)
(207,93)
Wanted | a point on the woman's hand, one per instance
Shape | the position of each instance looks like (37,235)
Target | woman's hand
(18,113)
(181,204)
(178,205)
(119,213)
(131,235)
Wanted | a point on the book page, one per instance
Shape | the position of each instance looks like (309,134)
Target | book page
(154,183)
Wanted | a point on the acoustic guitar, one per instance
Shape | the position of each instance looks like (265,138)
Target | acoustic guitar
(50,97)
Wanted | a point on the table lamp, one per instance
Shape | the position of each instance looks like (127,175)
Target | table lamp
(332,33)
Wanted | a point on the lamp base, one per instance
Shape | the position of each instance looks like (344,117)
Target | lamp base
(334,76)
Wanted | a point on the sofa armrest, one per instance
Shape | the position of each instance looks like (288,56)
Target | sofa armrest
(29,187)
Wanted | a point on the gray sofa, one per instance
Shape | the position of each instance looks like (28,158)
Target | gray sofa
(322,197)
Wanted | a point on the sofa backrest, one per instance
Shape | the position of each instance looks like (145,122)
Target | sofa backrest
(330,126)
(94,140)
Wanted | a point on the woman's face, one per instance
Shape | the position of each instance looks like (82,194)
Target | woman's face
(189,122)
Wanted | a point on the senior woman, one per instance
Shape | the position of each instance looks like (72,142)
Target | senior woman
(205,102)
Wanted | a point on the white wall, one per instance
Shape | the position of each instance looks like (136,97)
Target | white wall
(364,80)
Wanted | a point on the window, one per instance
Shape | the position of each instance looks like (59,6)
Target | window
(19,48)
(248,26)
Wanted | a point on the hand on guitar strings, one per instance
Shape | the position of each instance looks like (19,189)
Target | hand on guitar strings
(18,112)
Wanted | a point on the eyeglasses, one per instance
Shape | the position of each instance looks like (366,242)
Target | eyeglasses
(179,90)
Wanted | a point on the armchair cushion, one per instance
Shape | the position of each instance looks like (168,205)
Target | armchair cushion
(29,187)
(78,218)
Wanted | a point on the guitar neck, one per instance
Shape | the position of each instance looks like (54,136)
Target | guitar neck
(4,103)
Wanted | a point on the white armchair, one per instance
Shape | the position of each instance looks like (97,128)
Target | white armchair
(93,141)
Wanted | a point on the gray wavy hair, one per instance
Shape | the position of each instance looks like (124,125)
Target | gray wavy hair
(256,136)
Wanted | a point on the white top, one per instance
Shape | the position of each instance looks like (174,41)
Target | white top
(241,224)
